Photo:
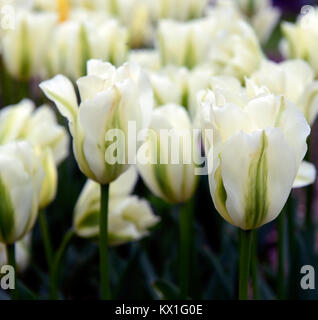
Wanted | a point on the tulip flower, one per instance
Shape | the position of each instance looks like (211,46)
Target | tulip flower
(36,125)
(110,99)
(270,134)
(167,163)
(295,80)
(179,86)
(183,43)
(148,59)
(76,41)
(172,179)
(235,51)
(22,253)
(129,217)
(24,46)
(261,14)
(180,10)
(21,176)
(300,40)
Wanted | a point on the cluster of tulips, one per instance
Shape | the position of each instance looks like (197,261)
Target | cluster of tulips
(181,66)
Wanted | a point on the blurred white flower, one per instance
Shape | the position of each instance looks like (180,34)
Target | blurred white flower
(24,47)
(21,177)
(301,38)
(22,253)
(295,80)
(129,217)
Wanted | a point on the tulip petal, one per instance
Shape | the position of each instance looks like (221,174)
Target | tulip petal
(306,175)
(61,91)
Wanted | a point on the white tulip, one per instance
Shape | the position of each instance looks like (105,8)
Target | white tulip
(235,51)
(21,176)
(179,85)
(295,80)
(148,59)
(76,41)
(24,46)
(180,9)
(129,217)
(306,175)
(301,38)
(36,125)
(110,99)
(22,253)
(255,158)
(183,43)
(166,160)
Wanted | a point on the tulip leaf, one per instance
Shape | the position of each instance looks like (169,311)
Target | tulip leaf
(166,290)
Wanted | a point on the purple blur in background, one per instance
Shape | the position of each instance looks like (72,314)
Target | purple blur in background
(293,6)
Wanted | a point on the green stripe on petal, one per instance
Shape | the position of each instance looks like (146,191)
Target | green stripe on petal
(256,199)
(6,214)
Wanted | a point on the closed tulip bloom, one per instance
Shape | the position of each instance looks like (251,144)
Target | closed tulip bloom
(110,98)
(179,85)
(129,217)
(21,176)
(38,126)
(180,9)
(76,41)
(24,46)
(257,151)
(22,253)
(168,169)
(261,14)
(183,43)
(300,40)
(295,80)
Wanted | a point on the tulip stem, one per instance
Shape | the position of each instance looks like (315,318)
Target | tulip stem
(55,272)
(280,253)
(186,242)
(255,268)
(246,242)
(46,238)
(103,243)
(12,262)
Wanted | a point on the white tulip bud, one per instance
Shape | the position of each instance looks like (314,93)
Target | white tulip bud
(166,160)
(21,176)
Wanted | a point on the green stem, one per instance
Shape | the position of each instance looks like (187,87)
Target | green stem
(309,191)
(246,240)
(293,278)
(46,238)
(103,243)
(186,243)
(280,252)
(255,268)
(12,262)
(55,272)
